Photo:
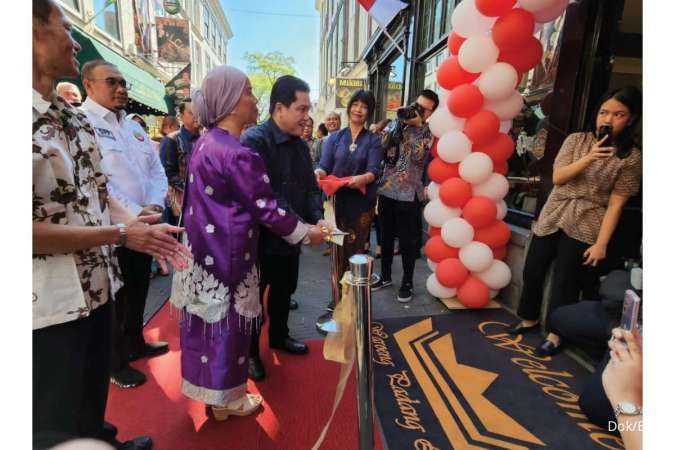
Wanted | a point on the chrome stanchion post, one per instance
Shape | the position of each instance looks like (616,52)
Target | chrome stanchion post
(361,267)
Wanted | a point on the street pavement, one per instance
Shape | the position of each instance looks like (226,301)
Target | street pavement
(313,294)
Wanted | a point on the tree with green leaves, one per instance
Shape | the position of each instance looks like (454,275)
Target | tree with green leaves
(263,70)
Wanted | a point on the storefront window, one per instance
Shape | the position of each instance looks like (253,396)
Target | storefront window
(437,29)
(394,90)
(72,4)
(530,128)
(108,18)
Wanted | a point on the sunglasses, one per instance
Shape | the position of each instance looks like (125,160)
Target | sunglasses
(114,82)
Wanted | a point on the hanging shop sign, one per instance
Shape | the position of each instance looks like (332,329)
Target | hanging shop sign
(172,6)
(345,88)
(173,39)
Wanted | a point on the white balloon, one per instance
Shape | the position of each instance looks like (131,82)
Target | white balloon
(436,213)
(478,53)
(507,108)
(495,187)
(442,121)
(475,168)
(453,146)
(432,265)
(493,293)
(437,289)
(476,256)
(536,5)
(498,81)
(502,209)
(457,232)
(505,126)
(496,276)
(549,14)
(467,21)
(432,190)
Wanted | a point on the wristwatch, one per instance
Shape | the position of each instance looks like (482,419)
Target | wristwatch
(122,239)
(627,409)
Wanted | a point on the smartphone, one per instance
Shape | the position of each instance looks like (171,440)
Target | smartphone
(631,307)
(605,130)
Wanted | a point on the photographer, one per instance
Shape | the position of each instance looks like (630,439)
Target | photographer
(406,145)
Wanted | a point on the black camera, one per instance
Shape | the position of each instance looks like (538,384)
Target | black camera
(410,111)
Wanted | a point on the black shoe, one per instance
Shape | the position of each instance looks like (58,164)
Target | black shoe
(108,433)
(292,305)
(149,350)
(405,294)
(546,348)
(256,368)
(290,345)
(519,328)
(380,284)
(139,443)
(127,377)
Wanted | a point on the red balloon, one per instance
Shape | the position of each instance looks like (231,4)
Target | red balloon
(500,148)
(437,250)
(465,100)
(450,74)
(482,127)
(525,57)
(434,148)
(495,235)
(434,231)
(479,212)
(439,170)
(494,8)
(499,253)
(502,168)
(473,293)
(451,273)
(455,192)
(512,30)
(455,41)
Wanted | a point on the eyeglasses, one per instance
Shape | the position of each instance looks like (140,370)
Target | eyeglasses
(114,82)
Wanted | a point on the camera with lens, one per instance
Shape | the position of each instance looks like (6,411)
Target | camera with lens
(410,112)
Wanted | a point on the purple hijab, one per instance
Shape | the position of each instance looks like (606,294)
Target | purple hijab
(220,93)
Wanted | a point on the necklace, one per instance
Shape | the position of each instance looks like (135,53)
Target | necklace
(352,147)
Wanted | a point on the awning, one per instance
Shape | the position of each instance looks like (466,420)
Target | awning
(145,88)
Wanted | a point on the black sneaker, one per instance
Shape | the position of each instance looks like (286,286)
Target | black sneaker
(405,294)
(379,284)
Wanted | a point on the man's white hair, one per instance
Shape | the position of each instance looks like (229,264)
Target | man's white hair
(65,84)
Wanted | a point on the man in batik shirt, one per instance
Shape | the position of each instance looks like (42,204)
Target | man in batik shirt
(401,192)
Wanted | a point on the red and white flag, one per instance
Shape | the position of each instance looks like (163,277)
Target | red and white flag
(383,11)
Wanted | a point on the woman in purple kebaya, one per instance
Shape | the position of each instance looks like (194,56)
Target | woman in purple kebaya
(227,198)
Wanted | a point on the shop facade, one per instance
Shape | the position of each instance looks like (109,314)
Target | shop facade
(595,46)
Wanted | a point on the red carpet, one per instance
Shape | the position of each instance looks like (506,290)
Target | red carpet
(298,393)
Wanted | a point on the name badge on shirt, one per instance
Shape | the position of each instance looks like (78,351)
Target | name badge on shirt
(103,133)
(139,136)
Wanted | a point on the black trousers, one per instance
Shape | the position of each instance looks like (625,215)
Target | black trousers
(585,324)
(399,219)
(71,374)
(129,305)
(594,402)
(280,273)
(568,275)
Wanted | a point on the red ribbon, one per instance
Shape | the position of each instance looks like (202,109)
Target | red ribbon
(331,184)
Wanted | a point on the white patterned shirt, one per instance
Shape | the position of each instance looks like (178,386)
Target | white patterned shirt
(69,188)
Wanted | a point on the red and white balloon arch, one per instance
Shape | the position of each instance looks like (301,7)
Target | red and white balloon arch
(491,47)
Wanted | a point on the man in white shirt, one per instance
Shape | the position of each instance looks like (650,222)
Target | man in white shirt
(136,178)
(75,273)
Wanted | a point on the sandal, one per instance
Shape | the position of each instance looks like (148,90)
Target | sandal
(242,406)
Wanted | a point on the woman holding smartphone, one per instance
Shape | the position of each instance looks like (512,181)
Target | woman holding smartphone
(594,177)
